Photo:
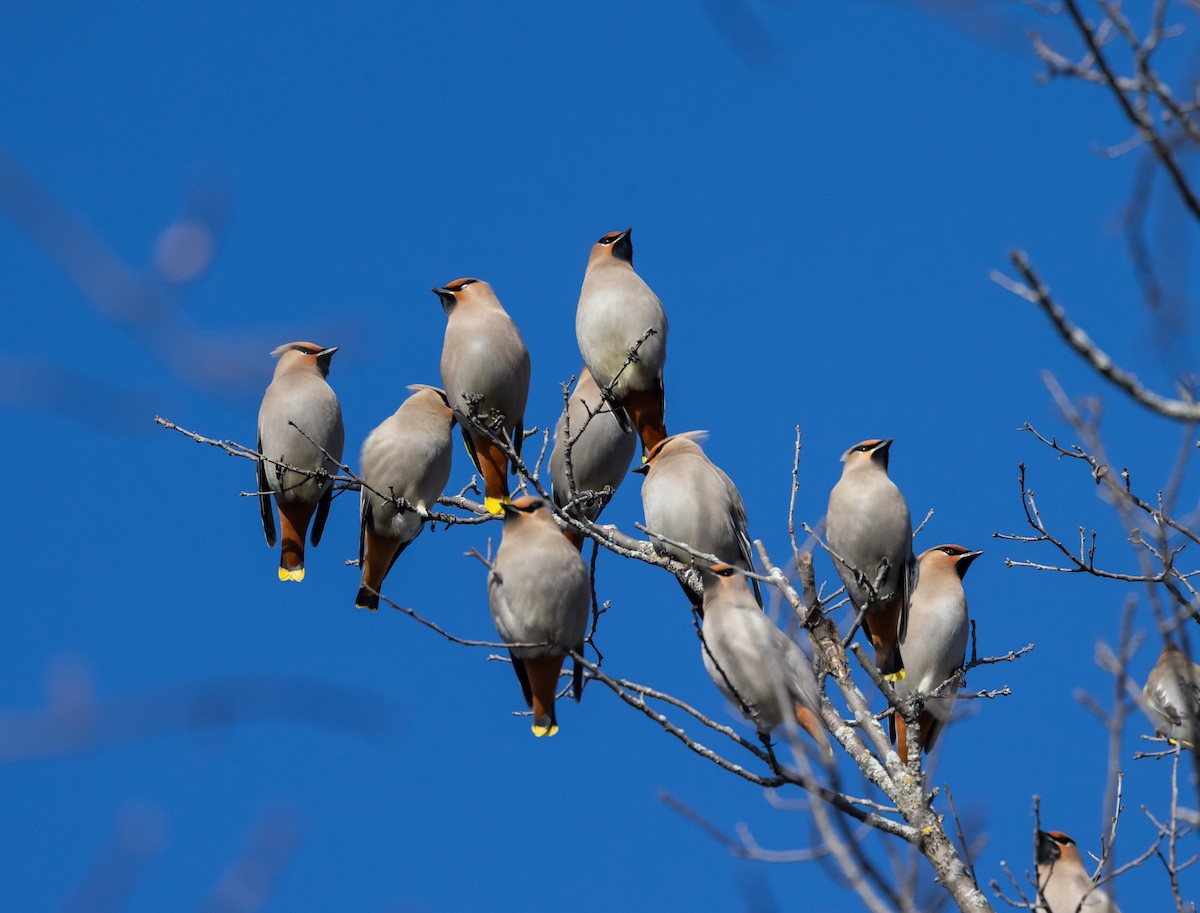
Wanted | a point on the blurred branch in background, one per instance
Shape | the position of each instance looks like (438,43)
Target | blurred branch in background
(76,721)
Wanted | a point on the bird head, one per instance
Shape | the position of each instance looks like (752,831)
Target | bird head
(523,508)
(616,245)
(1055,845)
(866,453)
(461,290)
(670,444)
(303,354)
(951,558)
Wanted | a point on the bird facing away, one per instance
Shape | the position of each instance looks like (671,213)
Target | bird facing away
(1062,880)
(300,425)
(616,308)
(935,644)
(601,451)
(688,498)
(1172,696)
(753,663)
(485,369)
(540,597)
(870,535)
(407,456)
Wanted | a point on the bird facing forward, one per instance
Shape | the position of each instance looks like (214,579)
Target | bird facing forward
(1062,880)
(935,644)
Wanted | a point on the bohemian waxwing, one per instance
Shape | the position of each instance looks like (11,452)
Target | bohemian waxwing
(870,532)
(1062,880)
(1172,696)
(753,663)
(484,359)
(540,594)
(407,456)
(935,644)
(299,424)
(601,451)
(688,498)
(615,309)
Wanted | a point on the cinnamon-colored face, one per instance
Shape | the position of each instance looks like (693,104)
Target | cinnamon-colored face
(1055,845)
(615,244)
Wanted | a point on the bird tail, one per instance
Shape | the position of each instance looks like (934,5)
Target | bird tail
(645,408)
(293,523)
(493,466)
(543,672)
(882,624)
(378,555)
(811,723)
(899,732)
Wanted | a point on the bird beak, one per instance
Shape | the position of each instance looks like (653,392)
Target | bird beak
(883,448)
(508,509)
(625,234)
(446,297)
(641,470)
(327,353)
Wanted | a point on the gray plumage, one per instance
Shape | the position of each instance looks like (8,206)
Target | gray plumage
(299,424)
(539,593)
(601,449)
(935,643)
(616,307)
(1172,694)
(753,663)
(869,529)
(483,354)
(688,498)
(1063,881)
(407,456)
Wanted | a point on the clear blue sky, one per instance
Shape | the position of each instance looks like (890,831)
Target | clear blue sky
(819,215)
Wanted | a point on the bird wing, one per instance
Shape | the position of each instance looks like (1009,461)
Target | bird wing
(737,518)
(264,499)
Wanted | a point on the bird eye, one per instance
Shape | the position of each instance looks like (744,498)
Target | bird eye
(863,448)
(306,350)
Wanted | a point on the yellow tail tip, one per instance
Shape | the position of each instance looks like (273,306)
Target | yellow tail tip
(493,504)
(295,573)
(540,731)
(894,676)
(369,608)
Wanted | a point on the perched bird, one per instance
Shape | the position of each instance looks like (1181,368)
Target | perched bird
(688,498)
(485,368)
(299,424)
(601,450)
(407,456)
(1172,695)
(539,593)
(1062,880)
(753,663)
(935,644)
(870,535)
(616,308)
